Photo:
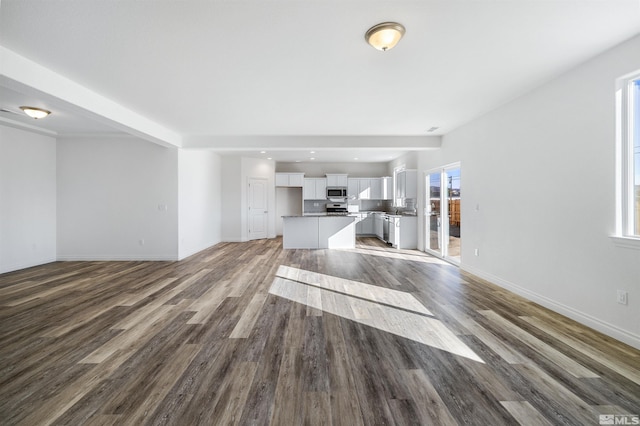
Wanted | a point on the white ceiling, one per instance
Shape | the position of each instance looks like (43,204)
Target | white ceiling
(210,69)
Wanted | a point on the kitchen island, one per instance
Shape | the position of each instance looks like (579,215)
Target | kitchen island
(318,232)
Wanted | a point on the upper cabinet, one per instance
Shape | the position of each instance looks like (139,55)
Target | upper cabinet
(370,188)
(289,179)
(407,184)
(315,189)
(335,179)
(386,186)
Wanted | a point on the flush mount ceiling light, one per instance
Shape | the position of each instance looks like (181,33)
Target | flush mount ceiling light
(384,36)
(34,112)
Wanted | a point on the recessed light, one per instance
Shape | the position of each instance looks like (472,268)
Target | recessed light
(269,158)
(297,161)
(312,152)
(263,152)
(311,158)
(355,158)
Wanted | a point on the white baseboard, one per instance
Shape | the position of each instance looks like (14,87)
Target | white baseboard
(233,240)
(115,257)
(583,318)
(198,250)
(24,265)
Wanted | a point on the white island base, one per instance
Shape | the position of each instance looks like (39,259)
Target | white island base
(318,232)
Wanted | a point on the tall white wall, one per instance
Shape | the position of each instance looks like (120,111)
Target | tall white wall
(231,195)
(111,197)
(27,199)
(200,196)
(541,169)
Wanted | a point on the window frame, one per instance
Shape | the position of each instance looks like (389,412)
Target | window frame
(626,103)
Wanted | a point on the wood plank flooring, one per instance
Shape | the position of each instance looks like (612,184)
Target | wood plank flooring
(248,333)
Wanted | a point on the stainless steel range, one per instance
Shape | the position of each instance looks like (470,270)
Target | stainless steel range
(337,209)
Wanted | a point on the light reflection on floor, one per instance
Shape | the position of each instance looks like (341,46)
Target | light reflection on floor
(418,257)
(389,310)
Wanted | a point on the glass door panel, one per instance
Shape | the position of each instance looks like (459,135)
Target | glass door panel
(433,211)
(442,213)
(451,233)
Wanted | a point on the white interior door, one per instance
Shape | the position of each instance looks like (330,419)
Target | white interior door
(258,209)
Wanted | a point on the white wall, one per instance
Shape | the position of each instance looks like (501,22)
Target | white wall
(354,169)
(542,171)
(199,187)
(409,161)
(288,203)
(27,199)
(231,194)
(110,197)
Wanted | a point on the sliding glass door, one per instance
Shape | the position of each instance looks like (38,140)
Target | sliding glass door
(443,215)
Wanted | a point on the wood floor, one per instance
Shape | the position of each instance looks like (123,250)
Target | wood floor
(248,333)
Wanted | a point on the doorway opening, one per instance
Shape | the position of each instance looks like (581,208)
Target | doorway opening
(443,225)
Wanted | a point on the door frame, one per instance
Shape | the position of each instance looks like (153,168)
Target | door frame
(443,231)
(266,209)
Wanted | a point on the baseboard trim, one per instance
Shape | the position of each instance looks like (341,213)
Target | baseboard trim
(583,318)
(18,266)
(116,258)
(196,251)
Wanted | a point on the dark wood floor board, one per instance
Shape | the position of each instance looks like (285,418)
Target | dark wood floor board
(430,407)
(466,395)
(561,405)
(249,333)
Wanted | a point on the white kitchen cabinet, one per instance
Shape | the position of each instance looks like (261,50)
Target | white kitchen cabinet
(300,232)
(352,187)
(407,184)
(378,225)
(337,180)
(386,189)
(365,224)
(364,189)
(314,189)
(289,179)
(336,232)
(313,232)
(375,189)
(403,232)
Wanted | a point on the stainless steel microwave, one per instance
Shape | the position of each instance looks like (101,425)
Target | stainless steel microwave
(336,192)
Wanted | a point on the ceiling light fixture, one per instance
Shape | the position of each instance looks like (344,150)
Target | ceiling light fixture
(384,36)
(34,112)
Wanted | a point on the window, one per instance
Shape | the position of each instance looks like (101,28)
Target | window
(628,161)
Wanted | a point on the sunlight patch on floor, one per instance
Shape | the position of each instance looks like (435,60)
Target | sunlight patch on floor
(418,257)
(389,310)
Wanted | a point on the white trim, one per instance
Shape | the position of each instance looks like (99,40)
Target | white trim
(116,258)
(198,250)
(583,318)
(233,240)
(626,242)
(625,189)
(18,266)
(28,127)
